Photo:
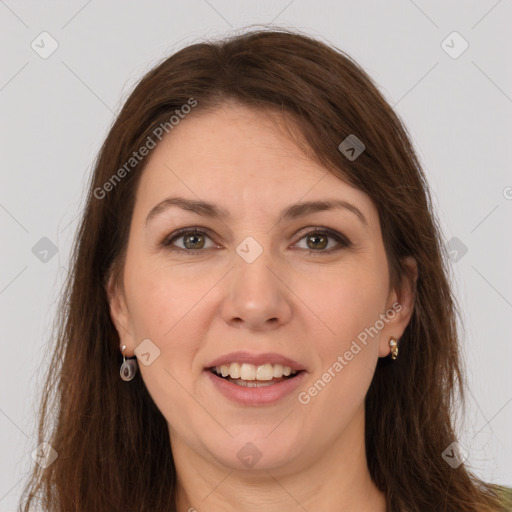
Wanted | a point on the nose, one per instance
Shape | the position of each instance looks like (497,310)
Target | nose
(257,295)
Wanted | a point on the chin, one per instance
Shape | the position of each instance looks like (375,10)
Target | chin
(257,453)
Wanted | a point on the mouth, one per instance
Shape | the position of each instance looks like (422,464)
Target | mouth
(254,388)
(252,376)
(252,379)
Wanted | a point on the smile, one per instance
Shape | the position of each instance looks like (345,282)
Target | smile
(252,390)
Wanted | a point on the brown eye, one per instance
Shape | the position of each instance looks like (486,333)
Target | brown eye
(318,241)
(192,241)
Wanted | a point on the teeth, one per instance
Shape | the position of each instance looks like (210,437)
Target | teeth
(250,384)
(234,370)
(249,372)
(265,372)
(278,370)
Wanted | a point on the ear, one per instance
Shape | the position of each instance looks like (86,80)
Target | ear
(400,307)
(119,314)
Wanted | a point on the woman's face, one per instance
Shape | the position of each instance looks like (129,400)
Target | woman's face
(259,279)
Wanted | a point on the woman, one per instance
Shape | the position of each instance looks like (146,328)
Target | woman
(259,316)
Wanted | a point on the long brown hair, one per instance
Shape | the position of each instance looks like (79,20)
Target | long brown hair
(112,441)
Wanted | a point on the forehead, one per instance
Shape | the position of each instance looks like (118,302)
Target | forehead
(235,138)
(242,157)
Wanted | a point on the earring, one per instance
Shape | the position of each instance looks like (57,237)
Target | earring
(393,345)
(129,367)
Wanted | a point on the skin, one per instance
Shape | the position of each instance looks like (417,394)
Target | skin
(195,308)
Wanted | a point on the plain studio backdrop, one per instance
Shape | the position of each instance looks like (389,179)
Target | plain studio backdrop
(67,67)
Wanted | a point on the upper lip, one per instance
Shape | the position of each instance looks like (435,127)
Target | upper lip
(255,359)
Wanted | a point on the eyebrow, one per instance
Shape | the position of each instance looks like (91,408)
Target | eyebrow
(207,209)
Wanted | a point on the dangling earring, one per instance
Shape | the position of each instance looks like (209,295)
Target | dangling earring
(393,345)
(129,367)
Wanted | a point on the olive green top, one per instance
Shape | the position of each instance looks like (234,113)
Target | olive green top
(506,493)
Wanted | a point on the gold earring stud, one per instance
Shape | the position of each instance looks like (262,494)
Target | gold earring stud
(393,345)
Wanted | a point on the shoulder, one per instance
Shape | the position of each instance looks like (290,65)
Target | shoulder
(505,494)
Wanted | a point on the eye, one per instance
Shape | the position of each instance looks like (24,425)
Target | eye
(319,239)
(193,239)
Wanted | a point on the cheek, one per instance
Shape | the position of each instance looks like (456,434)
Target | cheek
(168,307)
(162,309)
(344,365)
(347,303)
(160,299)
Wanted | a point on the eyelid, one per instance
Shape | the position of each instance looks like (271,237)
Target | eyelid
(342,240)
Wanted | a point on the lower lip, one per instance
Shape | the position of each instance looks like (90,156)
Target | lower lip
(265,395)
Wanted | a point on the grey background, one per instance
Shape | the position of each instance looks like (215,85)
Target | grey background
(56,112)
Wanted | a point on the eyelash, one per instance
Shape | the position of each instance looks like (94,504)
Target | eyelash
(341,239)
